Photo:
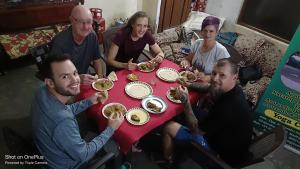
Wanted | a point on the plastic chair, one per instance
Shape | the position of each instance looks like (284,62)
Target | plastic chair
(261,147)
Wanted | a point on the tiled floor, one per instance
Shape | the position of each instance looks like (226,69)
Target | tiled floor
(17,89)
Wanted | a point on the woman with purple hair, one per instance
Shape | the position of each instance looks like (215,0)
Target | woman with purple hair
(207,51)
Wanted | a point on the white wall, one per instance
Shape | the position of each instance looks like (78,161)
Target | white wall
(151,7)
(114,8)
(228,9)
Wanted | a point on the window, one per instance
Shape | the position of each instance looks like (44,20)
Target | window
(276,18)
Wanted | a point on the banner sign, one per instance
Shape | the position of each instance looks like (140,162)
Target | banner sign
(280,103)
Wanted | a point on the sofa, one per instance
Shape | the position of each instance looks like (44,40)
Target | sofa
(246,50)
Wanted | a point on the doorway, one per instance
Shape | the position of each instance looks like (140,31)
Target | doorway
(173,13)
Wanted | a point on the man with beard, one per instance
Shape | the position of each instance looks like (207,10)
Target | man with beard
(55,128)
(80,41)
(227,128)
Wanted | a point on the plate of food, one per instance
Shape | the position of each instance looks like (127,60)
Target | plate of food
(114,108)
(146,66)
(173,96)
(188,76)
(138,89)
(167,74)
(154,104)
(102,84)
(137,116)
(132,77)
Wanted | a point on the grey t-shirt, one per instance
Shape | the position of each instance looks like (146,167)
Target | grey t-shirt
(81,55)
(206,61)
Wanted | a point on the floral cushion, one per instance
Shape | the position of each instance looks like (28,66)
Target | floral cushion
(177,46)
(166,37)
(187,36)
(253,91)
(17,45)
(178,58)
(271,59)
(262,53)
(246,41)
(255,55)
(167,50)
(176,51)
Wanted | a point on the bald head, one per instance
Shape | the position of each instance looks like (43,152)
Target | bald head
(81,12)
(81,19)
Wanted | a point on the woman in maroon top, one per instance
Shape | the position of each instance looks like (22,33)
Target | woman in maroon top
(130,41)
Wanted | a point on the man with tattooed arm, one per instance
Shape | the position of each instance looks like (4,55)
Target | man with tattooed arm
(226,128)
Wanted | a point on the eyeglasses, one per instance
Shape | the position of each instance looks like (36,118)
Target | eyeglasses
(82,21)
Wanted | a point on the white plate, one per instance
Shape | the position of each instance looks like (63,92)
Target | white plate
(181,74)
(171,98)
(160,103)
(138,89)
(97,84)
(142,114)
(167,74)
(142,70)
(113,104)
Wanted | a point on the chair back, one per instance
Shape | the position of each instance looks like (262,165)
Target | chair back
(261,147)
(200,155)
(267,143)
(107,39)
(211,160)
(18,145)
(39,54)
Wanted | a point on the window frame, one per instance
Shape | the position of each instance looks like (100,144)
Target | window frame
(243,22)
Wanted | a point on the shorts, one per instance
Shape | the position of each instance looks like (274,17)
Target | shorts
(184,134)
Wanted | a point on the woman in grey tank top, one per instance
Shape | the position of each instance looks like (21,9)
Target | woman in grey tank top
(207,51)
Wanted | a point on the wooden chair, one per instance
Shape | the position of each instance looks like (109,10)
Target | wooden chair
(266,144)
(260,148)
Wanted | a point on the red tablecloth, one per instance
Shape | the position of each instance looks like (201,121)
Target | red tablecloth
(128,134)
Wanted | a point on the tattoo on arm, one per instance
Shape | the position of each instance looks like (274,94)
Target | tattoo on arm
(191,120)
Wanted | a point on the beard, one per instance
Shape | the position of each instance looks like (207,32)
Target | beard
(215,92)
(62,91)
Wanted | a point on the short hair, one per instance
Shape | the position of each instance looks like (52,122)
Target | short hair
(225,61)
(210,20)
(134,17)
(46,70)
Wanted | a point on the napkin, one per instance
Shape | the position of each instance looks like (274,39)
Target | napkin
(112,76)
